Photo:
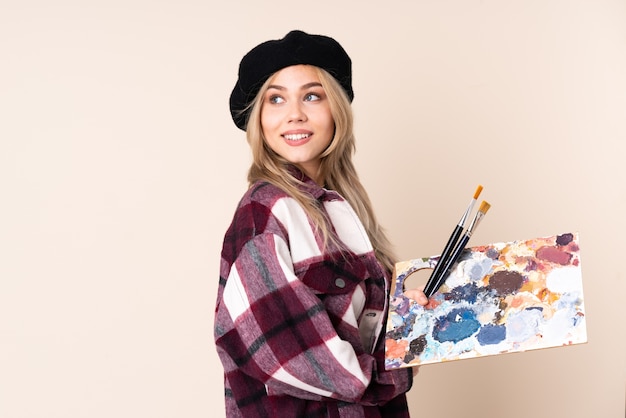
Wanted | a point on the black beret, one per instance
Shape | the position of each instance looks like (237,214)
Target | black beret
(295,48)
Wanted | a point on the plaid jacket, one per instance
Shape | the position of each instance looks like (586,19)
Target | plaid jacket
(298,328)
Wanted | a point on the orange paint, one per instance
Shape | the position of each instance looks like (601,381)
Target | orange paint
(548,297)
(396,348)
(517,302)
(527,287)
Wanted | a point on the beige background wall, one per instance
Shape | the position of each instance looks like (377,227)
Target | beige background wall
(120,170)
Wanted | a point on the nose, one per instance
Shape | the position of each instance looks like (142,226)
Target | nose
(296,112)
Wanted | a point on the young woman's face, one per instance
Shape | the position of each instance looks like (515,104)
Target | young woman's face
(296,119)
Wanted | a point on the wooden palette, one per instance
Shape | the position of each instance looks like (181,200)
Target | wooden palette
(500,298)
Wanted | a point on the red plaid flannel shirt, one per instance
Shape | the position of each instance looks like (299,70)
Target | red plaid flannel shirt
(298,328)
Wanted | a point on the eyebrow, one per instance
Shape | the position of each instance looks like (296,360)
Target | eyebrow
(303,87)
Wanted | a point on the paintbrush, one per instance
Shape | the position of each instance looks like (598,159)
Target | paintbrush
(454,237)
(458,249)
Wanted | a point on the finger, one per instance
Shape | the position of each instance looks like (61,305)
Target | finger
(416,295)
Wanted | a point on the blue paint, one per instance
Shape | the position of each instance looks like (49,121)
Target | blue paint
(458,325)
(403,328)
(521,326)
(478,269)
(491,334)
(492,253)
(402,307)
(467,293)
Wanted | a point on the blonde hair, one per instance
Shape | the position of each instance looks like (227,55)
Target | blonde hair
(336,169)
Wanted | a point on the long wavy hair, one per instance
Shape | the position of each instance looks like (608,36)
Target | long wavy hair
(336,169)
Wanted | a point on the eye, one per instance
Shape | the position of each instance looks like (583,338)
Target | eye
(276,99)
(311,97)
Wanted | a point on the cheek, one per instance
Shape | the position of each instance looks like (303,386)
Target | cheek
(269,121)
(263,119)
(330,126)
(322,118)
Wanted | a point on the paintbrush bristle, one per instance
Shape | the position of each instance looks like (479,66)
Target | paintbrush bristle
(484,207)
(478,190)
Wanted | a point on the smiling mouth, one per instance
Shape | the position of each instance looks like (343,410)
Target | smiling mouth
(296,137)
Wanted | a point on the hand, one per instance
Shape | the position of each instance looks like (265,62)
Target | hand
(417,295)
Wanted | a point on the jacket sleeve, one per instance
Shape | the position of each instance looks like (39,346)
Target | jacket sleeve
(275,329)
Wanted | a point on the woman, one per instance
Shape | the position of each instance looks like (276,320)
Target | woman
(305,269)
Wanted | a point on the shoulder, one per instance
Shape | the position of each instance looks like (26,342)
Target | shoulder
(262,193)
(260,202)
(264,207)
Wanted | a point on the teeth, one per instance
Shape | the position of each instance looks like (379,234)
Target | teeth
(296,137)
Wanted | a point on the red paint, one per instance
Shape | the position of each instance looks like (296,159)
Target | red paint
(432,304)
(554,255)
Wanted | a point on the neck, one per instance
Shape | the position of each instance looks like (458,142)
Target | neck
(314,175)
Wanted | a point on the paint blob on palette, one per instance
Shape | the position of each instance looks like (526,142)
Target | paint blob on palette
(500,298)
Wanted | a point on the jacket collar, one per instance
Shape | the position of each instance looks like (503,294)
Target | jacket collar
(310,186)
